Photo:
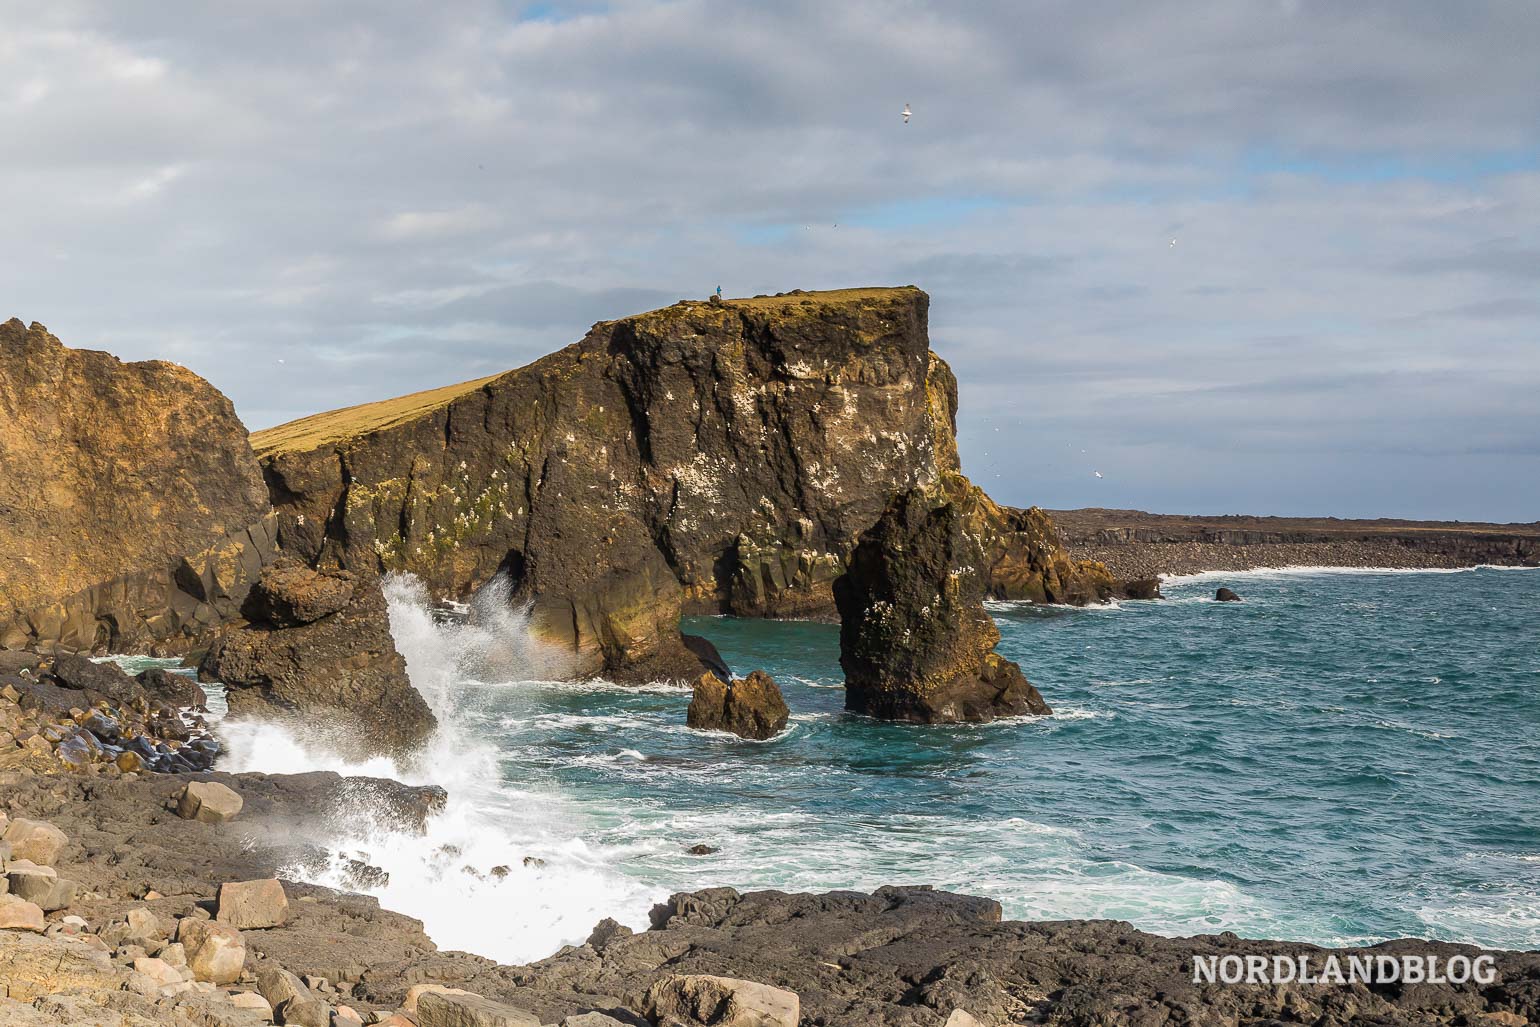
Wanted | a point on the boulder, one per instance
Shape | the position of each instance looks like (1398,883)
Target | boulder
(32,966)
(590,1020)
(721,1001)
(461,1009)
(750,707)
(164,687)
(253,1001)
(961,1017)
(20,915)
(40,885)
(289,594)
(71,670)
(417,991)
(1224,595)
(127,503)
(340,675)
(208,801)
(158,970)
(1139,588)
(916,643)
(215,952)
(250,905)
(35,840)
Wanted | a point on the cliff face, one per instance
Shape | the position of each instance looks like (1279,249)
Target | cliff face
(131,506)
(713,457)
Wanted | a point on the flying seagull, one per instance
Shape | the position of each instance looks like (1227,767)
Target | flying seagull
(1097,473)
(907,112)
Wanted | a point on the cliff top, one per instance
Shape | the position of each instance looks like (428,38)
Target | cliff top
(1086,522)
(317,430)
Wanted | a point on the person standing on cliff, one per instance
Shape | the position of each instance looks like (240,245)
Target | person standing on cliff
(719,292)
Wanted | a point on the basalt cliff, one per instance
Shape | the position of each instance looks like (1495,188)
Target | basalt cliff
(705,457)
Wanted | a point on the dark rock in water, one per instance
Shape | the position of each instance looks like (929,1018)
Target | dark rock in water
(1142,588)
(708,655)
(1224,595)
(359,874)
(172,689)
(534,861)
(289,594)
(916,643)
(703,850)
(750,707)
(341,674)
(131,507)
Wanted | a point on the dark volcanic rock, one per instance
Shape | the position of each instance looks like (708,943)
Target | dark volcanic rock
(172,689)
(289,594)
(1142,588)
(104,679)
(340,675)
(750,707)
(915,640)
(132,511)
(710,458)
(708,655)
(1224,595)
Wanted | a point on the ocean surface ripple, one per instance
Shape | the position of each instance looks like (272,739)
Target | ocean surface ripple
(1340,758)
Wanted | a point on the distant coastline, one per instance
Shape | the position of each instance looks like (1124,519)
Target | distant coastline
(1135,544)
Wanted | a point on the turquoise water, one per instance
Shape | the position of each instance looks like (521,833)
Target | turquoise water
(1342,757)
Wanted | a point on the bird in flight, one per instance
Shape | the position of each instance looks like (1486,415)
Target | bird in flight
(906,113)
(1097,473)
(1173,244)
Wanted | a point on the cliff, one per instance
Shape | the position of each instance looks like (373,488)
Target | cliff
(706,457)
(131,507)
(1137,544)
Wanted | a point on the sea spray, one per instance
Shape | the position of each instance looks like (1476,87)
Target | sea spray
(503,871)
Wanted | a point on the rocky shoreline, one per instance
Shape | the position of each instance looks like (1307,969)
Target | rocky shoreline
(182,920)
(1134,544)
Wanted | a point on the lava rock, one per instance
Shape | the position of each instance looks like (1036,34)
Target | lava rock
(289,594)
(916,643)
(1224,595)
(750,707)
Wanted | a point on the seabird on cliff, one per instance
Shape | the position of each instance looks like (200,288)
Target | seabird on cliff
(906,113)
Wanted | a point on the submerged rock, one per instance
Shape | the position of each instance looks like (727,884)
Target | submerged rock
(339,676)
(750,707)
(916,643)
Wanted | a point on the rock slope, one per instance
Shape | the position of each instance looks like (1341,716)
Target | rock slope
(719,457)
(132,511)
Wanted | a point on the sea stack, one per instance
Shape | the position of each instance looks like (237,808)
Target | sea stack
(750,707)
(916,643)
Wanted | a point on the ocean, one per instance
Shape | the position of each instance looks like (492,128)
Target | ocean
(1343,757)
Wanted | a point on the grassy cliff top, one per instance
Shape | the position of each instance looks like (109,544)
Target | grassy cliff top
(322,429)
(334,426)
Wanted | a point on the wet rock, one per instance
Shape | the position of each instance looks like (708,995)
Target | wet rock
(289,594)
(209,802)
(34,840)
(106,679)
(215,952)
(444,1009)
(708,655)
(359,874)
(723,1001)
(703,850)
(249,905)
(1224,595)
(916,643)
(750,707)
(1139,588)
(340,676)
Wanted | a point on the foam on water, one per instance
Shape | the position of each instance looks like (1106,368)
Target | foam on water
(1314,764)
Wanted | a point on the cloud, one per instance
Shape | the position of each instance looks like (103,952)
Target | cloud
(389,197)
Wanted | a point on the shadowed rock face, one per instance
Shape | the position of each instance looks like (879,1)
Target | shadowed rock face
(703,457)
(916,643)
(338,675)
(131,507)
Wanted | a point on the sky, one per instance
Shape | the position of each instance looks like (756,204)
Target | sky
(1239,256)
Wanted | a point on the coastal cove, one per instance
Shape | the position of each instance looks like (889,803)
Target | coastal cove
(1257,767)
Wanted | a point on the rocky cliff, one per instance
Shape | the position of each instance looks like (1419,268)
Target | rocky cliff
(716,457)
(132,511)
